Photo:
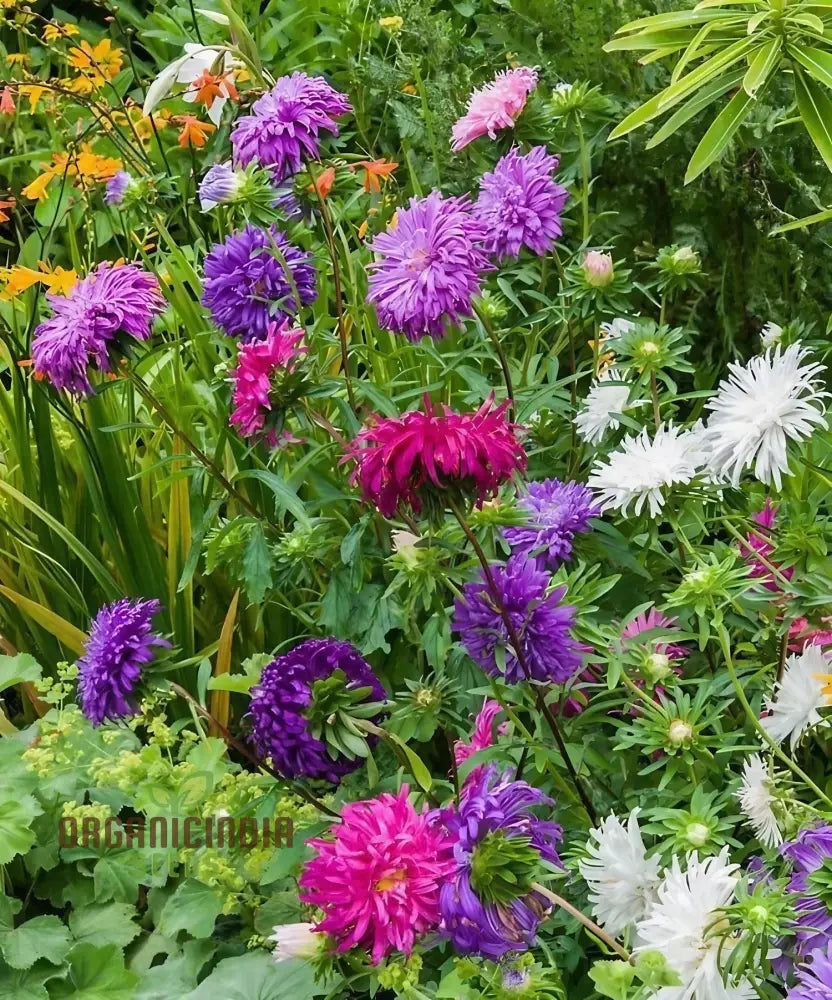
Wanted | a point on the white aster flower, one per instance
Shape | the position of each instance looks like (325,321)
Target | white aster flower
(642,467)
(759,407)
(756,801)
(294,941)
(622,880)
(605,401)
(798,696)
(198,59)
(684,925)
(618,327)
(770,335)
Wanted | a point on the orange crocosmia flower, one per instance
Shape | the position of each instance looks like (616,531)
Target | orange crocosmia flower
(409,88)
(18,279)
(99,63)
(93,167)
(4,215)
(37,189)
(6,102)
(194,132)
(324,182)
(210,86)
(375,170)
(17,58)
(58,282)
(34,92)
(52,32)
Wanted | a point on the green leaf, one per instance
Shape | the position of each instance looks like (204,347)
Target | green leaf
(41,937)
(417,766)
(257,977)
(96,974)
(193,908)
(816,61)
(815,109)
(762,65)
(257,565)
(16,836)
(18,669)
(707,95)
(26,984)
(118,875)
(809,220)
(284,498)
(720,133)
(112,924)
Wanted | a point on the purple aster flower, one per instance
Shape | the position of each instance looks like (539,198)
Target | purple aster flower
(542,625)
(556,512)
(112,300)
(429,267)
(116,187)
(284,127)
(809,852)
(219,186)
(520,204)
(121,642)
(281,704)
(246,287)
(814,981)
(496,831)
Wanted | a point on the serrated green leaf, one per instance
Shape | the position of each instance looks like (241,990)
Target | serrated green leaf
(112,924)
(194,908)
(96,974)
(41,937)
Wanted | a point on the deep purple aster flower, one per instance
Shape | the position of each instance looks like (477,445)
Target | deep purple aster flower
(121,642)
(429,267)
(116,187)
(246,288)
(540,622)
(114,299)
(556,512)
(494,816)
(284,127)
(810,851)
(814,981)
(281,703)
(219,186)
(520,204)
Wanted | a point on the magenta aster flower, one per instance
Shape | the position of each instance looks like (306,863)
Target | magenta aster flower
(284,128)
(120,644)
(483,734)
(287,698)
(494,106)
(262,365)
(377,880)
(496,834)
(428,268)
(814,981)
(556,513)
(758,544)
(411,460)
(655,619)
(520,204)
(246,286)
(113,300)
(541,623)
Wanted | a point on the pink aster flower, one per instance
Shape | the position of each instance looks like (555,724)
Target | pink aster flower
(802,634)
(411,459)
(494,106)
(377,881)
(483,734)
(260,366)
(758,544)
(651,620)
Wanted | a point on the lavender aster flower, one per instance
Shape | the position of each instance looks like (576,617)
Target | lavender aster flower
(283,701)
(429,267)
(540,622)
(246,288)
(284,127)
(121,642)
(810,852)
(814,982)
(556,512)
(218,187)
(116,187)
(520,204)
(112,300)
(488,906)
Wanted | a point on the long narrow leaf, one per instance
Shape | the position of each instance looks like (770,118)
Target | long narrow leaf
(707,95)
(720,133)
(815,109)
(762,65)
(65,632)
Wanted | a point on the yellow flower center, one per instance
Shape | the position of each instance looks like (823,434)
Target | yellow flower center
(391,881)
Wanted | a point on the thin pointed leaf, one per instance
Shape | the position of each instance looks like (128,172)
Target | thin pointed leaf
(719,134)
(816,61)
(809,220)
(815,109)
(696,104)
(762,65)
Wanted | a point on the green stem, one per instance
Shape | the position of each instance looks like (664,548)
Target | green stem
(585,168)
(498,347)
(590,924)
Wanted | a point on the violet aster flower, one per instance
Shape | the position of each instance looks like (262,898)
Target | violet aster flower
(556,512)
(284,127)
(814,981)
(246,286)
(121,642)
(494,106)
(810,851)
(428,268)
(541,623)
(219,186)
(283,701)
(116,187)
(520,204)
(488,906)
(112,300)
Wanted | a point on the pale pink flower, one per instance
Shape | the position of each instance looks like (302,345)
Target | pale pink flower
(494,106)
(598,269)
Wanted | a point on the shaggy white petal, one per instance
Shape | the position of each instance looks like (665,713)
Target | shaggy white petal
(606,399)
(798,696)
(622,880)
(759,408)
(643,466)
(756,801)
(770,335)
(618,327)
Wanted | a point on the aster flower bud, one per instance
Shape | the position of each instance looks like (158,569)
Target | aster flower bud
(679,732)
(296,941)
(598,269)
(219,186)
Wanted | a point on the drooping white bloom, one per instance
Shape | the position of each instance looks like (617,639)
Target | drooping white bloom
(198,59)
(756,801)
(618,327)
(622,880)
(684,925)
(759,407)
(770,335)
(798,696)
(606,399)
(294,941)
(642,467)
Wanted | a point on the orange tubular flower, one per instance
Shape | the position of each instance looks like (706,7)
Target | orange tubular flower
(6,102)
(323,182)
(4,205)
(209,86)
(194,132)
(375,170)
